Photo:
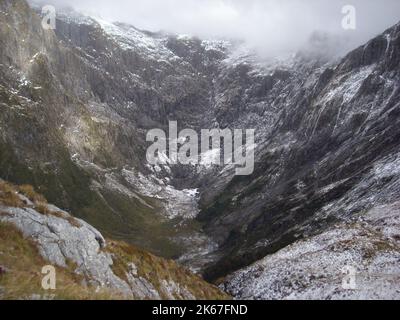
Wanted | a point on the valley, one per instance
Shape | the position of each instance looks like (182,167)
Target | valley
(77,102)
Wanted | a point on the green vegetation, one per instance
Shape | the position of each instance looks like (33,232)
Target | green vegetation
(115,215)
(33,153)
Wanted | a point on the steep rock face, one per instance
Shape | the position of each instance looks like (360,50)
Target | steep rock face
(324,156)
(76,105)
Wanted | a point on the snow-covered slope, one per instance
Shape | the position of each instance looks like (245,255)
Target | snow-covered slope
(354,260)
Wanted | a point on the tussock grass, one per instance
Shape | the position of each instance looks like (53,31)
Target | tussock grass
(43,209)
(9,197)
(23,277)
(155,270)
(28,191)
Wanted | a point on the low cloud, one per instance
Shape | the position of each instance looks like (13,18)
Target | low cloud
(273,26)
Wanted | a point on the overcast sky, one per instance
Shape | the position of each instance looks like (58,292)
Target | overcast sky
(281,24)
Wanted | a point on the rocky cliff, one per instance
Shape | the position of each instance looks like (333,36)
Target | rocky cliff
(329,152)
(76,104)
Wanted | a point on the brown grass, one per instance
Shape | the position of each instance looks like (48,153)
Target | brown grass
(23,278)
(43,209)
(156,269)
(9,195)
(74,222)
(28,191)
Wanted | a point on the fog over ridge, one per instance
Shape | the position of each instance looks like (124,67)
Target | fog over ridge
(272,26)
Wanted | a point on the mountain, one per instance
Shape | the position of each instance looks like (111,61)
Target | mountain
(76,106)
(77,102)
(329,154)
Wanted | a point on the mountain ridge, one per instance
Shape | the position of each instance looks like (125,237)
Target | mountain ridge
(78,102)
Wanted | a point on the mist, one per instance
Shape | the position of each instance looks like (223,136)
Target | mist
(272,26)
